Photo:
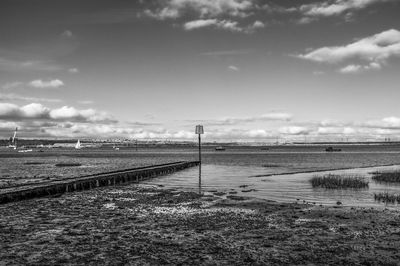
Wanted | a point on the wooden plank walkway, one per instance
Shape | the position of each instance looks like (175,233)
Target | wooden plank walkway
(86,182)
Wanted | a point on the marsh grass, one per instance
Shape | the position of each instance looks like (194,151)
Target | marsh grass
(332,181)
(390,177)
(387,197)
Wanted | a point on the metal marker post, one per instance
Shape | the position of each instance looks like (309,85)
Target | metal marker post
(199,131)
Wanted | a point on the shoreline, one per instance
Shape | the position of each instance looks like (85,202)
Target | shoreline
(140,225)
(324,170)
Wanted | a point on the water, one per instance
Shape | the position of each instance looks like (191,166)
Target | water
(17,168)
(248,181)
(281,173)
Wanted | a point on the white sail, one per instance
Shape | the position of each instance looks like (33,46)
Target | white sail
(15,135)
(13,144)
(78,145)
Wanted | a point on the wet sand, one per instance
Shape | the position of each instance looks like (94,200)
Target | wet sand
(143,225)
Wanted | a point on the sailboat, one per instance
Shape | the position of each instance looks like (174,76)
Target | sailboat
(13,140)
(78,145)
(13,143)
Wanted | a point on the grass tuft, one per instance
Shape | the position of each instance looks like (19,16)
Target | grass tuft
(391,177)
(332,181)
(387,197)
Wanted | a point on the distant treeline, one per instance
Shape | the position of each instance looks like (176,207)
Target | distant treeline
(46,142)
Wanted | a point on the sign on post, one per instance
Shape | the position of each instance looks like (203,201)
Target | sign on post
(199,129)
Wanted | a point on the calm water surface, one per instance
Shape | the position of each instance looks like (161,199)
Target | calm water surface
(248,181)
(276,174)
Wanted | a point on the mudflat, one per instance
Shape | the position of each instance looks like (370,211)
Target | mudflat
(144,225)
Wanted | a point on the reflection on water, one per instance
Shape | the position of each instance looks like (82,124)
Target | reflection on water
(284,188)
(200,178)
(235,170)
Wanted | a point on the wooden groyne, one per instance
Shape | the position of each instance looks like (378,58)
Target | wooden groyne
(86,182)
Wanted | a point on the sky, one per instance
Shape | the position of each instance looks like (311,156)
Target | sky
(247,70)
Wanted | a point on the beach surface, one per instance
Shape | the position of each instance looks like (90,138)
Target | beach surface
(147,225)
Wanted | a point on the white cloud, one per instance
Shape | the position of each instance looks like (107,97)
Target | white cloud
(318,73)
(234,68)
(391,122)
(374,48)
(258,25)
(67,34)
(257,133)
(294,130)
(88,115)
(182,134)
(374,51)
(218,24)
(71,122)
(73,70)
(87,130)
(85,102)
(326,8)
(201,23)
(219,14)
(305,20)
(203,8)
(277,116)
(350,69)
(226,134)
(330,130)
(8,110)
(229,25)
(349,131)
(17,97)
(163,13)
(55,83)
(34,110)
(14,112)
(7,125)
(336,7)
(27,65)
(64,112)
(272,116)
(333,123)
(371,129)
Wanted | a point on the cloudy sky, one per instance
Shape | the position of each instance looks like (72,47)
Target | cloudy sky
(248,70)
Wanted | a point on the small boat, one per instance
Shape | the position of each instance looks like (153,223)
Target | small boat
(331,149)
(78,145)
(219,148)
(116,148)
